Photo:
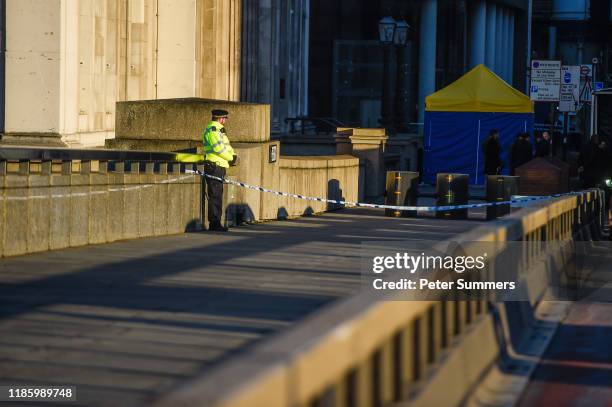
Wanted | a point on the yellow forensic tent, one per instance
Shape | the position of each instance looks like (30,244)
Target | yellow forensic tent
(459,118)
(479,90)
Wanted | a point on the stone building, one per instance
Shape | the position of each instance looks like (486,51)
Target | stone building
(68,61)
(275,57)
(446,39)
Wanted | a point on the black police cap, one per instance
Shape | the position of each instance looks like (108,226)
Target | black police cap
(219,113)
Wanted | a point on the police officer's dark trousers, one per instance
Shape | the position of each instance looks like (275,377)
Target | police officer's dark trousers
(214,192)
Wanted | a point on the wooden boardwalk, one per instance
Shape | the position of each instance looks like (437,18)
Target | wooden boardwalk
(127,321)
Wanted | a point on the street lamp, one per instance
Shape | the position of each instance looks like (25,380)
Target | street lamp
(402,98)
(386,33)
(400,37)
(386,30)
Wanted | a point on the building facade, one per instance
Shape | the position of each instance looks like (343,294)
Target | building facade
(447,38)
(575,32)
(68,61)
(275,57)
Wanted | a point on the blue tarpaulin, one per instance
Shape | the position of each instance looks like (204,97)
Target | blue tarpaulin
(454,141)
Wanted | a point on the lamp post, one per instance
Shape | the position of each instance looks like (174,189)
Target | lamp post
(386,32)
(402,102)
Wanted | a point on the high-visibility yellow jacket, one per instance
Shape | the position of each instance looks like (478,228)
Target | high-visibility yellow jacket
(216,145)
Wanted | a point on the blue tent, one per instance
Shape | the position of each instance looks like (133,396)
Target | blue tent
(458,120)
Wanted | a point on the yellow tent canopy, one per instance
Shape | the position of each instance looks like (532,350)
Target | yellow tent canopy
(479,90)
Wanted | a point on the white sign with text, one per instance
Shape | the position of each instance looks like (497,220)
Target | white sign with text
(545,80)
(569,96)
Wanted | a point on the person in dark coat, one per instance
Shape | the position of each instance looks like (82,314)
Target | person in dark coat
(543,145)
(492,150)
(522,152)
(588,163)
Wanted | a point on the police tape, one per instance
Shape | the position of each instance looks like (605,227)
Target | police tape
(378,206)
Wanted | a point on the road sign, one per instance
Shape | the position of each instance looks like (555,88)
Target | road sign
(545,80)
(586,82)
(569,94)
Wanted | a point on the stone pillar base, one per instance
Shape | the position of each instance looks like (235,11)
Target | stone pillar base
(32,139)
(369,145)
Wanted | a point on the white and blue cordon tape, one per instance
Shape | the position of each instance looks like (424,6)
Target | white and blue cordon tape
(369,205)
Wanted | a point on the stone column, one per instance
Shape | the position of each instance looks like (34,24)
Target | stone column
(427,53)
(68,62)
(507,30)
(369,145)
(478,21)
(403,109)
(511,49)
(218,48)
(2,60)
(275,36)
(34,65)
(490,36)
(387,108)
(552,42)
(499,37)
(343,143)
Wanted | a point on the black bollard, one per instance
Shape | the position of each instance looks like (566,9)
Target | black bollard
(402,190)
(500,188)
(452,189)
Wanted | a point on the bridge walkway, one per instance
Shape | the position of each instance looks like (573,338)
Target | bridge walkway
(130,320)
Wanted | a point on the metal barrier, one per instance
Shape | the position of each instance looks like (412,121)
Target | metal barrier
(367,352)
(452,189)
(500,188)
(402,189)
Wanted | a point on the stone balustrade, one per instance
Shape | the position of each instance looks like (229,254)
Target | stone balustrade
(47,205)
(58,204)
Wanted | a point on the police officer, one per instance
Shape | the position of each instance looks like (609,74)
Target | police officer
(219,154)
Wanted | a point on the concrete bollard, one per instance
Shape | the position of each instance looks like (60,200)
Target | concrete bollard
(500,188)
(452,189)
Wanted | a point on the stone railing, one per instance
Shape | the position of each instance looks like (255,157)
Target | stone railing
(368,352)
(47,205)
(331,177)
(58,204)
